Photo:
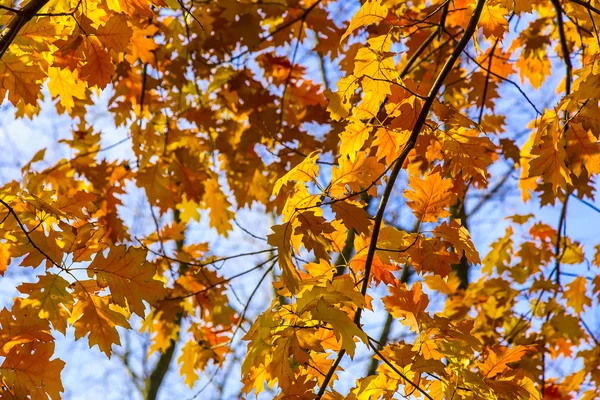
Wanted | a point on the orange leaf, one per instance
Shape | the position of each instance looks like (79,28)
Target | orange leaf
(129,277)
(353,216)
(430,196)
(499,356)
(98,68)
(115,34)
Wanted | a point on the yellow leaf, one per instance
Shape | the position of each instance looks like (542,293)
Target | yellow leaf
(306,171)
(353,138)
(458,236)
(28,373)
(313,229)
(142,44)
(389,142)
(339,101)
(550,154)
(370,12)
(572,253)
(37,34)
(361,173)
(4,258)
(21,326)
(409,305)
(49,295)
(494,21)
(188,210)
(343,326)
(218,207)
(187,360)
(281,238)
(576,294)
(447,285)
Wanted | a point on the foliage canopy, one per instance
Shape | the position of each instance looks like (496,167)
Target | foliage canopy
(222,114)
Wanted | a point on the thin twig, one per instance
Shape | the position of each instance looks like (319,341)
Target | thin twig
(26,232)
(393,368)
(412,140)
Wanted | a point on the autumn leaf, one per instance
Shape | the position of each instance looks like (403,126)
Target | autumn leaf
(407,304)
(372,11)
(550,155)
(339,101)
(306,171)
(361,173)
(187,129)
(20,327)
(218,205)
(499,357)
(4,258)
(128,276)
(353,216)
(18,77)
(447,285)
(98,69)
(50,296)
(281,238)
(430,197)
(313,228)
(459,237)
(494,21)
(353,138)
(583,149)
(576,294)
(115,34)
(343,327)
(28,372)
(93,316)
(66,85)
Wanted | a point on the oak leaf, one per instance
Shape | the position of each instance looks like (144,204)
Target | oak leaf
(353,216)
(28,372)
(129,277)
(306,171)
(499,357)
(50,296)
(576,294)
(410,305)
(372,11)
(66,85)
(115,34)
(430,197)
(339,101)
(281,238)
(98,69)
(93,315)
(342,325)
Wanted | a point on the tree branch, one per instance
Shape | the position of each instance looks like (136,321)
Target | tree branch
(161,368)
(462,44)
(22,17)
